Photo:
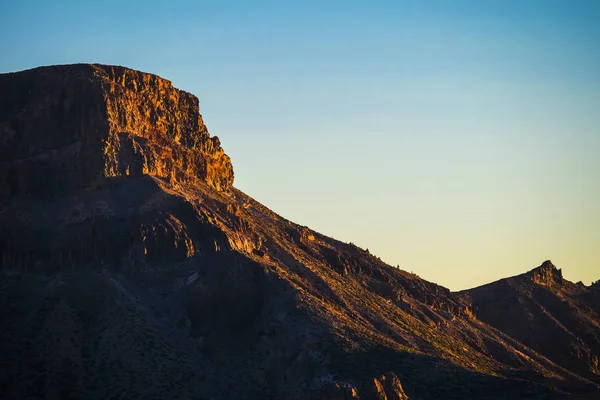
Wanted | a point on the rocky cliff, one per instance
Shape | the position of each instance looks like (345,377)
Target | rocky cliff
(68,127)
(132,268)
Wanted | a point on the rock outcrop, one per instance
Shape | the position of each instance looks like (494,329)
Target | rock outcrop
(64,128)
(385,387)
(546,274)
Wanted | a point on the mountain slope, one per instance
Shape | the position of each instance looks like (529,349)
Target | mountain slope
(144,267)
(547,313)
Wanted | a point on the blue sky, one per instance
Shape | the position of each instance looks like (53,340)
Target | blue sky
(458,139)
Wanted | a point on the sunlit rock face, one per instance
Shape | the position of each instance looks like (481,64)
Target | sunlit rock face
(69,127)
(546,274)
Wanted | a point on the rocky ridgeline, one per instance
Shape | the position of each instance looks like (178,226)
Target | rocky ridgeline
(64,128)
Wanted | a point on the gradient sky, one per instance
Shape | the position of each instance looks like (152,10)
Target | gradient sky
(458,139)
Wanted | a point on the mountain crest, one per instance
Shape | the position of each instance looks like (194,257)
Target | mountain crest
(546,274)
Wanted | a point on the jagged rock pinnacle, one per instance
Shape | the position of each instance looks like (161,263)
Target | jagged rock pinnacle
(546,274)
(547,264)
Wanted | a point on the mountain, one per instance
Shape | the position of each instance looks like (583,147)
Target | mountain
(548,314)
(133,268)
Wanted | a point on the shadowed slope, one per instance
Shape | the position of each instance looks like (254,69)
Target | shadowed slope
(549,314)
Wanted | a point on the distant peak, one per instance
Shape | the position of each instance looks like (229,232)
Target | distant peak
(546,274)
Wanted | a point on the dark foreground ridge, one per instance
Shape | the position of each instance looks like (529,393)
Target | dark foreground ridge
(132,268)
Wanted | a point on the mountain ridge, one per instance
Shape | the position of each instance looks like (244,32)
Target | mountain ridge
(144,266)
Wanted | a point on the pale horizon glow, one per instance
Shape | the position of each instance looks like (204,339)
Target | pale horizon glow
(459,140)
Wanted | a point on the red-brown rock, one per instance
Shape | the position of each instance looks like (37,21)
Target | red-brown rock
(68,127)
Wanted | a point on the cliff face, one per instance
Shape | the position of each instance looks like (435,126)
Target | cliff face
(64,128)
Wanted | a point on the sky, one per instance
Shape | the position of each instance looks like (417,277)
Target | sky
(457,139)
